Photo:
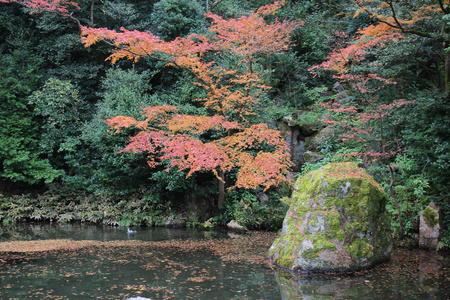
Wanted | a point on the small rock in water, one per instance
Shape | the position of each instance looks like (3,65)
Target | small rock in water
(176,223)
(235,226)
(139,298)
(129,231)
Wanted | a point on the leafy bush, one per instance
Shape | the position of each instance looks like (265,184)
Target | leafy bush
(174,18)
(245,207)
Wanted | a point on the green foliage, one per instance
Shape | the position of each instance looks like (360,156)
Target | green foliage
(16,208)
(249,211)
(128,15)
(95,165)
(425,127)
(57,103)
(173,18)
(236,8)
(332,155)
(21,158)
(172,180)
(422,173)
(146,209)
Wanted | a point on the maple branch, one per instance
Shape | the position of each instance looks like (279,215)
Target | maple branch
(413,31)
(74,19)
(147,54)
(214,4)
(398,24)
(441,5)
(394,15)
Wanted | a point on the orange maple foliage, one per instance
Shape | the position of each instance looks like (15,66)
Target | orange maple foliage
(364,122)
(243,37)
(340,60)
(249,35)
(37,6)
(231,96)
(409,18)
(394,21)
(175,138)
(259,154)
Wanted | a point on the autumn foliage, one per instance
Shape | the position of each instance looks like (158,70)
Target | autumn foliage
(398,19)
(58,6)
(166,135)
(362,118)
(258,154)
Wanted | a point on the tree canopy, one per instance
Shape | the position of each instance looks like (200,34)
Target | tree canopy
(220,91)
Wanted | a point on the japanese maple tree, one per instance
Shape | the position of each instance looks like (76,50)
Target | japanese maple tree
(363,117)
(410,18)
(60,7)
(258,154)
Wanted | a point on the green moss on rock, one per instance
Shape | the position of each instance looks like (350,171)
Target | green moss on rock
(430,217)
(336,220)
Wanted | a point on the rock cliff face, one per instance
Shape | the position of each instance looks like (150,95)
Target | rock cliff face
(336,222)
(302,138)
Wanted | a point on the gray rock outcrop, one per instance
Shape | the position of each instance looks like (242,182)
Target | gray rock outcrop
(337,221)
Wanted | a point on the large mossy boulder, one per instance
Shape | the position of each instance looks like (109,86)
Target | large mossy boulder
(336,221)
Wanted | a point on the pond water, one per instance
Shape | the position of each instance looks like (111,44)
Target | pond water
(166,272)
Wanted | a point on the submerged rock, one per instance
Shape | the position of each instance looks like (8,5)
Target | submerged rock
(337,221)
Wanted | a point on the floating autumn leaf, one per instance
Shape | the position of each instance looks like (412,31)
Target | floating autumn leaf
(201,279)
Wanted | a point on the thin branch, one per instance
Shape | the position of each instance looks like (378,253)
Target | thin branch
(398,25)
(214,4)
(157,58)
(394,15)
(441,5)
(74,19)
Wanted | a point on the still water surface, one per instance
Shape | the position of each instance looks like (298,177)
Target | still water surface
(124,272)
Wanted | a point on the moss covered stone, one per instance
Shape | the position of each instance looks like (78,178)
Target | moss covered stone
(430,217)
(336,222)
(430,227)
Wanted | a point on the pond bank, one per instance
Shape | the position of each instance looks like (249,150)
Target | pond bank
(194,265)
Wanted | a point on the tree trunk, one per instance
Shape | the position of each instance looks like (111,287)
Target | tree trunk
(221,189)
(447,71)
(445,44)
(394,198)
(92,11)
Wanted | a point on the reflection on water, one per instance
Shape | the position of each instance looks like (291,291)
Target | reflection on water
(79,231)
(322,286)
(411,274)
(132,272)
(170,273)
